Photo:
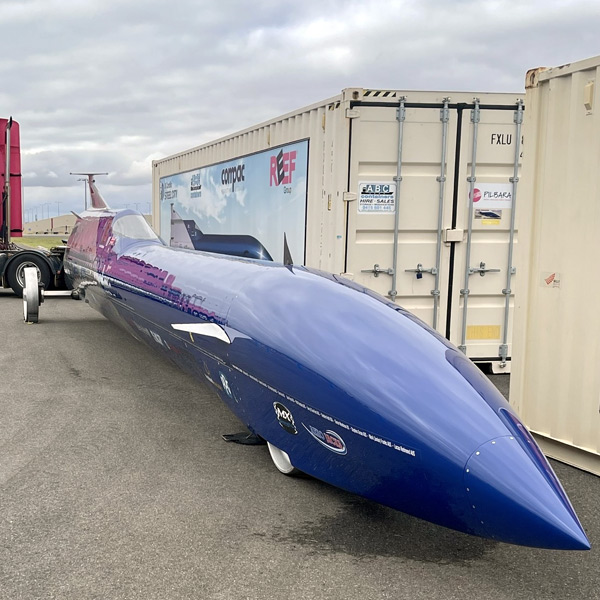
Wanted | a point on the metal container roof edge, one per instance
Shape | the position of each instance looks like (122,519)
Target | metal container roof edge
(546,73)
(346,95)
(288,115)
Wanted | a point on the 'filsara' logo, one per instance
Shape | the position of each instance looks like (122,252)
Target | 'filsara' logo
(282,167)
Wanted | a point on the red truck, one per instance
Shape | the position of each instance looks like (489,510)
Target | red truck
(14,257)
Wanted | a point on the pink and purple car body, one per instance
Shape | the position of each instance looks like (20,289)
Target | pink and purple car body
(343,384)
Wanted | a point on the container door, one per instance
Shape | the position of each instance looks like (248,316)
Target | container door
(483,276)
(408,233)
(409,274)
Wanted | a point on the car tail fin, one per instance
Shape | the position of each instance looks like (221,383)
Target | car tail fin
(96,200)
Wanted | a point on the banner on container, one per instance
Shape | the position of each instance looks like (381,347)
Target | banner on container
(494,196)
(248,202)
(378,197)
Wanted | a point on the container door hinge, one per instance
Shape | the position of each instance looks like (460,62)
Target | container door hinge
(518,116)
(476,112)
(349,196)
(352,113)
(503,354)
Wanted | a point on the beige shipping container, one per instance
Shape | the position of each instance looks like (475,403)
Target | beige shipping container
(555,383)
(390,177)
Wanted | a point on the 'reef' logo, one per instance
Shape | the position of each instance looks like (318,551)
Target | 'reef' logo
(282,167)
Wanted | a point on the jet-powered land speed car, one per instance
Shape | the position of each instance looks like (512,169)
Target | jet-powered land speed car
(342,384)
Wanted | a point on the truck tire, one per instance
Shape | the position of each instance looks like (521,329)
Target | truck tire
(15,273)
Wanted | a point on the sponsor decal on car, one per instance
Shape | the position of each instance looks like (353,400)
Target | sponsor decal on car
(225,385)
(351,429)
(285,418)
(330,439)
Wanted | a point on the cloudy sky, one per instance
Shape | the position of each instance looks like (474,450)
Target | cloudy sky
(110,85)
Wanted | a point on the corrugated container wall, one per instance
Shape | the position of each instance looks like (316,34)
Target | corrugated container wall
(319,124)
(555,383)
(389,177)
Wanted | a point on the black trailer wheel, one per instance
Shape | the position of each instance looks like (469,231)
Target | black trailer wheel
(15,274)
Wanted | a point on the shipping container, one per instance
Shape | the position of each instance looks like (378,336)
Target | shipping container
(555,383)
(375,185)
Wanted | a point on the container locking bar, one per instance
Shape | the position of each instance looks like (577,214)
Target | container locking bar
(444,118)
(475,117)
(377,269)
(400,117)
(510,271)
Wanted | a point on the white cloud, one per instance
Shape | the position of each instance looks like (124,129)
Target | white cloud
(108,86)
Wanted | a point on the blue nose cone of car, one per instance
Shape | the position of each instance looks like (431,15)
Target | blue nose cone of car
(516,498)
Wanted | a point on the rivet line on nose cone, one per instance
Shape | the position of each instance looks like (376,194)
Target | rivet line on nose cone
(498,498)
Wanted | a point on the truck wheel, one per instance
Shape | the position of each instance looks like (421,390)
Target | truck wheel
(15,274)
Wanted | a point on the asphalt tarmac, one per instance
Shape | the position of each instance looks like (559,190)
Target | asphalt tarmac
(115,484)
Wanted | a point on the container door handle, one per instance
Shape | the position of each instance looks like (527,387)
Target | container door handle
(377,269)
(482,270)
(420,270)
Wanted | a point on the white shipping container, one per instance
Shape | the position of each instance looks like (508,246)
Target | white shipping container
(390,175)
(555,383)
